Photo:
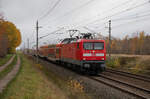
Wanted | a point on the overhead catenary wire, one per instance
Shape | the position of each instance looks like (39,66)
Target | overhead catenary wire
(131,18)
(90,1)
(125,10)
(50,10)
(119,5)
(136,20)
(51,33)
(128,9)
(72,11)
(136,16)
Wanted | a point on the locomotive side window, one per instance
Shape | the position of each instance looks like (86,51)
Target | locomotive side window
(57,50)
(99,46)
(77,45)
(88,46)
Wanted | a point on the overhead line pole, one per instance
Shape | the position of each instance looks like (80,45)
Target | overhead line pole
(24,47)
(37,40)
(28,45)
(110,39)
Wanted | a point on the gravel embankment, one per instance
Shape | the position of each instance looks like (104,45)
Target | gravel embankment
(91,88)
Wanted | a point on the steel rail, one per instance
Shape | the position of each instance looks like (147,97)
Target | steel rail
(127,74)
(118,87)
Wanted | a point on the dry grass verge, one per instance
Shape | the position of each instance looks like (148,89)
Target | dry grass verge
(8,68)
(133,64)
(30,84)
(5,59)
(72,88)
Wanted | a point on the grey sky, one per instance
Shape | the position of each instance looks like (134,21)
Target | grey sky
(76,14)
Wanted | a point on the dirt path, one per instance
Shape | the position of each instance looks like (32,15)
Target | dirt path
(31,83)
(9,76)
(6,64)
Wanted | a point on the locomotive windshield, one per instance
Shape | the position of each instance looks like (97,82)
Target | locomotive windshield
(93,46)
(88,46)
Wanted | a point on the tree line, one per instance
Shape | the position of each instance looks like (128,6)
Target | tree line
(138,43)
(10,37)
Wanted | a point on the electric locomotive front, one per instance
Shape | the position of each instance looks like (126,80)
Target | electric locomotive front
(93,55)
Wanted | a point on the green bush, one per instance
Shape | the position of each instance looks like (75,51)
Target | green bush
(113,63)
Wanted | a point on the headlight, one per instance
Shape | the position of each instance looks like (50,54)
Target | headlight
(99,54)
(87,54)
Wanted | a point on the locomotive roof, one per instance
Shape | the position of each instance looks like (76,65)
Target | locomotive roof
(90,40)
(71,40)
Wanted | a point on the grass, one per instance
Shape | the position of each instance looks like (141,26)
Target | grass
(31,84)
(72,88)
(8,68)
(134,64)
(5,59)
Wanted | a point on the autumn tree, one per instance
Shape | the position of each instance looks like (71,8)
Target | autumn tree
(3,45)
(13,34)
(3,39)
(138,43)
(141,41)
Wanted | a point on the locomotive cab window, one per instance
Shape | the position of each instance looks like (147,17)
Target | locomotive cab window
(99,46)
(93,45)
(88,46)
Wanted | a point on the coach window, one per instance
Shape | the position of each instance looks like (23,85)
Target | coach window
(77,45)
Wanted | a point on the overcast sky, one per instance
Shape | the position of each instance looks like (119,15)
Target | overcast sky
(128,16)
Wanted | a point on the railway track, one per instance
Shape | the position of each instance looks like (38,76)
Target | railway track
(127,74)
(139,86)
(123,86)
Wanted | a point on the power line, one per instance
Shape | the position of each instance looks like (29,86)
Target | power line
(128,9)
(136,16)
(131,22)
(126,2)
(50,11)
(45,10)
(51,33)
(87,4)
(146,15)
(81,6)
(73,10)
(127,19)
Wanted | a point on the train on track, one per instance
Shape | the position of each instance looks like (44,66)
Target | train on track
(79,53)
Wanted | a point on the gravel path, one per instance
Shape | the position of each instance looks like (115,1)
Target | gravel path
(5,65)
(9,76)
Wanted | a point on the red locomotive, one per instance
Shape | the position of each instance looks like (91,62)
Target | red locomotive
(85,54)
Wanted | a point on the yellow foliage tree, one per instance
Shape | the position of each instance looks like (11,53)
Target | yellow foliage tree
(14,36)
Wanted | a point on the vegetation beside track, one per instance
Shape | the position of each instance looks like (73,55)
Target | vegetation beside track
(72,88)
(5,59)
(133,64)
(31,84)
(8,68)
